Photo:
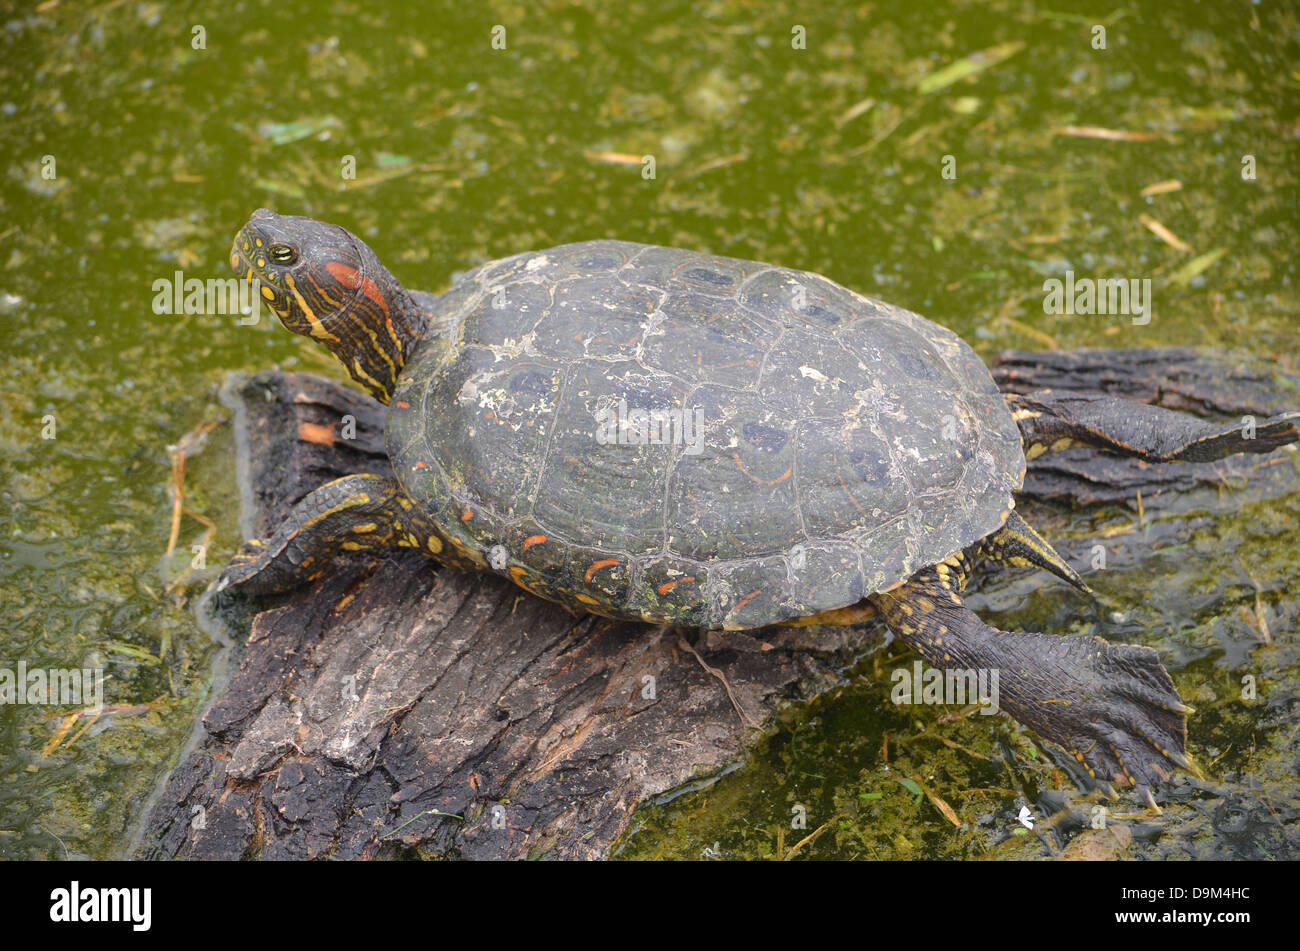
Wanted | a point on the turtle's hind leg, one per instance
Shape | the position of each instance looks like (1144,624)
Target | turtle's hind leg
(1113,706)
(354,513)
(1050,422)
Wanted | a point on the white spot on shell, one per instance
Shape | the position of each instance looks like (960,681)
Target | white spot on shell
(534,263)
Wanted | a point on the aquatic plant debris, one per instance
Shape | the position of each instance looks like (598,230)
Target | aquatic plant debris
(1111,135)
(969,66)
(285,133)
(1185,274)
(1164,234)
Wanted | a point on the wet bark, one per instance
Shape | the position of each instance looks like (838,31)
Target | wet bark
(393,706)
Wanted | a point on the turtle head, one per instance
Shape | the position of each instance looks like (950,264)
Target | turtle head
(324,282)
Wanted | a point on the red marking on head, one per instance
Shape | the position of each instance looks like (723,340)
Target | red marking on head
(351,277)
(347,276)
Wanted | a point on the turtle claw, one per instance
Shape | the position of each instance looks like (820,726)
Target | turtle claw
(1112,706)
(245,566)
(1124,721)
(1282,429)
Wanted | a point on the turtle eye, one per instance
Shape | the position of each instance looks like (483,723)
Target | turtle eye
(282,254)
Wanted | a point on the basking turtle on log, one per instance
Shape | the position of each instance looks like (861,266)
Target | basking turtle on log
(654,434)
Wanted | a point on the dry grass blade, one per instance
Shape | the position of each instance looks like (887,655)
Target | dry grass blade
(613,158)
(854,111)
(1161,188)
(709,166)
(1260,619)
(948,811)
(1110,135)
(898,118)
(91,715)
(182,451)
(56,740)
(1042,336)
(808,839)
(210,530)
(1164,234)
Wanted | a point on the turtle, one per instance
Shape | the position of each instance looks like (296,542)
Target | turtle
(675,437)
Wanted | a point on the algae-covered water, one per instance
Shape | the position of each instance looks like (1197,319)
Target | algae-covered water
(948,157)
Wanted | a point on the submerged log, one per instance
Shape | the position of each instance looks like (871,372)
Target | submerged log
(396,708)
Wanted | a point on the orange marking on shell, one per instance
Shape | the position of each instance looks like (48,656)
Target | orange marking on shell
(421,464)
(400,405)
(747,598)
(669,585)
(467,516)
(596,566)
(776,481)
(532,540)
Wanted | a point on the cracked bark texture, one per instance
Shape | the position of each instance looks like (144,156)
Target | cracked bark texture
(395,708)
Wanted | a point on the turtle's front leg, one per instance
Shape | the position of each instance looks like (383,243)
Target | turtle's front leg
(1050,422)
(354,513)
(1113,706)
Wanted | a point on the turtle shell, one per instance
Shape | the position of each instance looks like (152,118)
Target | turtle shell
(655,433)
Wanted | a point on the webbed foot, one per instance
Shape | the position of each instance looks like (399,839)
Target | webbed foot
(353,513)
(1112,706)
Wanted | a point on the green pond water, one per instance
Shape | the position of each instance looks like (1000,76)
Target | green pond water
(885,153)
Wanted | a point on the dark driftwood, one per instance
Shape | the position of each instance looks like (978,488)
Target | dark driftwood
(391,706)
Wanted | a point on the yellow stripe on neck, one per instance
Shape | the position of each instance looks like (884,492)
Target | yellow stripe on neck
(376,387)
(318,330)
